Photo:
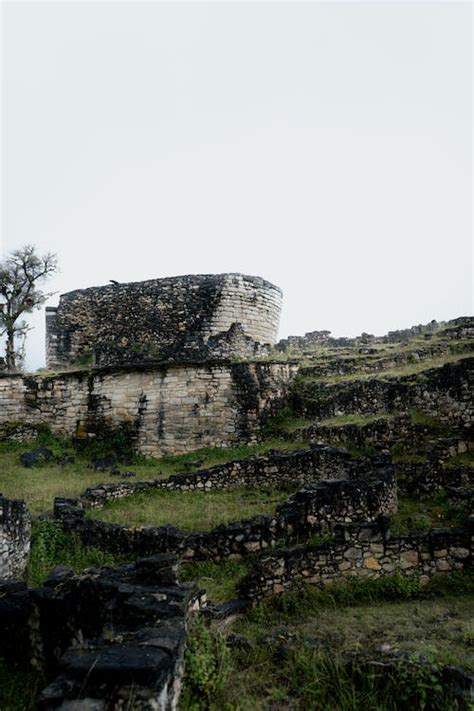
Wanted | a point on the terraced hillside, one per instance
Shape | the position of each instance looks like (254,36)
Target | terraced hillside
(329,566)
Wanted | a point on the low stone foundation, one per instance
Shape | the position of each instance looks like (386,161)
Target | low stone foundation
(276,470)
(384,431)
(444,392)
(362,550)
(15,535)
(380,361)
(425,478)
(113,637)
(315,509)
(18,432)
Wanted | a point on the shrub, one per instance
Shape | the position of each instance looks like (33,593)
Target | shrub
(52,546)
(207,665)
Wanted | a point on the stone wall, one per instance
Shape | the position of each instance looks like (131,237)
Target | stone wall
(109,638)
(317,508)
(380,432)
(429,477)
(384,432)
(324,338)
(276,470)
(381,360)
(362,550)
(15,534)
(165,409)
(444,392)
(163,319)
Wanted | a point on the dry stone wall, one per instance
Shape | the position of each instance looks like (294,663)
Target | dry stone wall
(15,534)
(276,470)
(380,361)
(165,409)
(164,319)
(317,508)
(110,638)
(362,550)
(444,392)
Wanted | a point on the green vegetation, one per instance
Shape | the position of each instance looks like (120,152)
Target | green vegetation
(39,485)
(207,667)
(192,510)
(422,515)
(354,419)
(401,371)
(51,546)
(465,460)
(421,418)
(291,651)
(398,455)
(19,688)
(284,422)
(219,580)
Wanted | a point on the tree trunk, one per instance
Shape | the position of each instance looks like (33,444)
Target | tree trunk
(10,359)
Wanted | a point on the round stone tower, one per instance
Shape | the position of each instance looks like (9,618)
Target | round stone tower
(185,318)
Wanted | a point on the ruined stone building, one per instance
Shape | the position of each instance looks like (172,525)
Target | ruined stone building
(175,319)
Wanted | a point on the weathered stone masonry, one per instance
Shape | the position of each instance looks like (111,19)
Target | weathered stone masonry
(167,408)
(276,470)
(110,638)
(178,318)
(15,532)
(360,490)
(444,392)
(362,550)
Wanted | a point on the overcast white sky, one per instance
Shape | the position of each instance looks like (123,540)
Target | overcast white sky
(324,146)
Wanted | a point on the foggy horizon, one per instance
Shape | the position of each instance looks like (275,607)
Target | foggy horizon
(325,147)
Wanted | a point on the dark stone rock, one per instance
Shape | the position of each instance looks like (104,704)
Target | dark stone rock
(36,457)
(227,609)
(105,464)
(460,682)
(58,575)
(144,665)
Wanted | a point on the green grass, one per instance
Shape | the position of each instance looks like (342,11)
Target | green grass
(353,419)
(191,511)
(400,456)
(401,371)
(219,580)
(294,645)
(421,418)
(40,485)
(19,688)
(424,514)
(51,546)
(282,422)
(465,460)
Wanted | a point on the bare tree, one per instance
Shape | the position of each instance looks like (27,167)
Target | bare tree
(20,273)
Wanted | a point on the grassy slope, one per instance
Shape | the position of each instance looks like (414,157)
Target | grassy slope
(192,511)
(38,486)
(295,645)
(401,371)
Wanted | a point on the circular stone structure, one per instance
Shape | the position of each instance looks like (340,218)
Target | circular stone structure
(182,318)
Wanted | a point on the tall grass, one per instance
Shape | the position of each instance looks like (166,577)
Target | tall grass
(52,546)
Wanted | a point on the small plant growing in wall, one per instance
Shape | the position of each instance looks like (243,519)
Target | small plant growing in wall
(21,272)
